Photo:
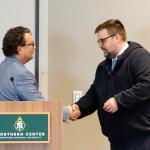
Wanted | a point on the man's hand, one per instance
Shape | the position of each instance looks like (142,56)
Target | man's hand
(75,114)
(110,105)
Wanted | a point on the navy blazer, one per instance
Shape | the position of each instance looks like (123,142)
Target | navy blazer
(16,82)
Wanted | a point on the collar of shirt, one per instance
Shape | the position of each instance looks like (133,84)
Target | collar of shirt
(122,50)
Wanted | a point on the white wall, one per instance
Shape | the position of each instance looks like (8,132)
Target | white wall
(43,47)
(74,55)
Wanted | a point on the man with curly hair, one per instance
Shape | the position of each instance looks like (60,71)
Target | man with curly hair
(16,82)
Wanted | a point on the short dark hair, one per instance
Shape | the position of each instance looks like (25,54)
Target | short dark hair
(13,38)
(113,26)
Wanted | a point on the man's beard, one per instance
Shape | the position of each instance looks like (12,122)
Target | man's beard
(108,55)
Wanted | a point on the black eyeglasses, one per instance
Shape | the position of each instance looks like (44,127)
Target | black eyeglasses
(101,41)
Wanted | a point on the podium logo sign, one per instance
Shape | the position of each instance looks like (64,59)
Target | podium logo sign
(25,127)
(19,124)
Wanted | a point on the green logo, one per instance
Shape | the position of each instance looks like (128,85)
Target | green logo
(19,124)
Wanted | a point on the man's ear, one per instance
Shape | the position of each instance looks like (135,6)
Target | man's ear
(117,36)
(19,49)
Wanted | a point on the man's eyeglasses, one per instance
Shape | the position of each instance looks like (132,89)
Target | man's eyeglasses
(32,44)
(101,41)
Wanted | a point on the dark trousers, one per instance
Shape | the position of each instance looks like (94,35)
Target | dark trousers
(134,143)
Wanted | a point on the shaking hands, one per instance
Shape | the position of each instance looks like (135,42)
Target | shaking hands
(71,113)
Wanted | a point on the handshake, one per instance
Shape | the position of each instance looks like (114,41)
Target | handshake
(71,113)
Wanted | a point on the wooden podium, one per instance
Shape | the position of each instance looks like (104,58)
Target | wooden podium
(55,109)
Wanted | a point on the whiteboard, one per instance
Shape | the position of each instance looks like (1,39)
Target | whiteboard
(17,13)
